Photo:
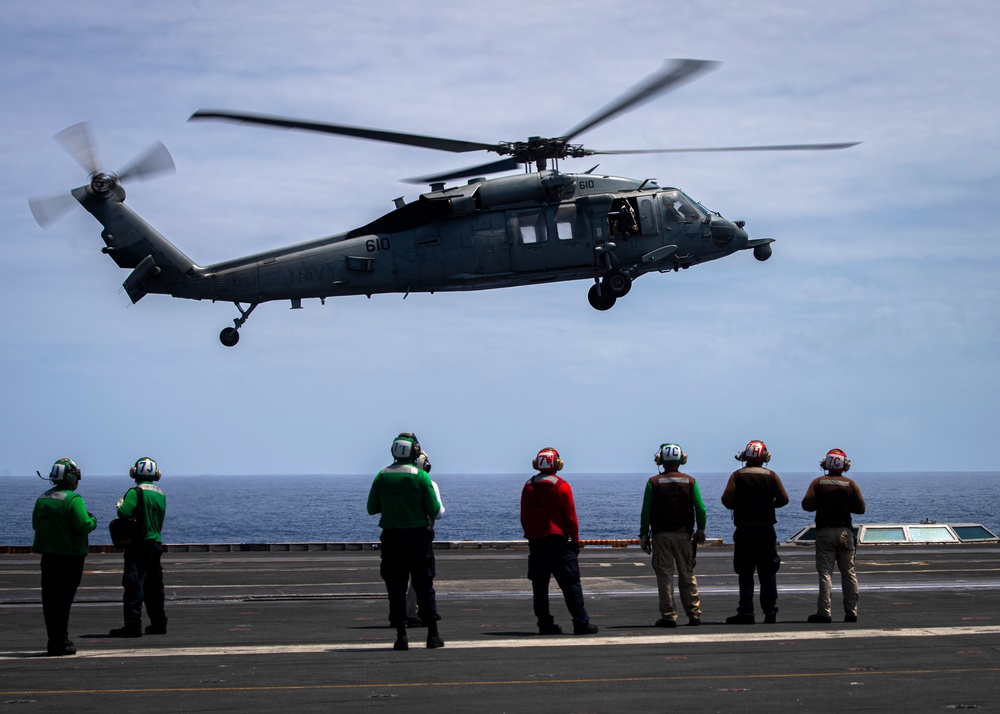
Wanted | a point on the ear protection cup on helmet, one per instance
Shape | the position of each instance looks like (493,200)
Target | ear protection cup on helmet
(547,461)
(145,468)
(670,453)
(405,447)
(422,462)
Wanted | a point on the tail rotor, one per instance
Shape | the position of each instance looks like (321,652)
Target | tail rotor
(79,143)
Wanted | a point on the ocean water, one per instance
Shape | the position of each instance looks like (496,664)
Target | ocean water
(331,509)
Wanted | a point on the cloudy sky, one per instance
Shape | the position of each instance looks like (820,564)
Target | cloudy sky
(873,328)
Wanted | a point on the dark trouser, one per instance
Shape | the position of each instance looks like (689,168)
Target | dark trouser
(407,554)
(553,556)
(143,583)
(60,578)
(755,550)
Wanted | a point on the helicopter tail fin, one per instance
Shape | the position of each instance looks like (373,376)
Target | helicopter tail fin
(157,265)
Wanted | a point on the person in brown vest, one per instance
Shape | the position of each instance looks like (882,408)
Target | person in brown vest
(752,494)
(670,506)
(834,497)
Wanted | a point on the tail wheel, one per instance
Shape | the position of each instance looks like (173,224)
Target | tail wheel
(616,283)
(229,336)
(600,300)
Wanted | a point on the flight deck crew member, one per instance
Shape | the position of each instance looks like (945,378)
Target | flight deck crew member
(142,579)
(61,522)
(548,516)
(834,497)
(671,505)
(405,496)
(752,494)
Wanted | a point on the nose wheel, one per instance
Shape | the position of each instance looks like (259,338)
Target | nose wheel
(599,299)
(231,335)
(616,283)
(604,293)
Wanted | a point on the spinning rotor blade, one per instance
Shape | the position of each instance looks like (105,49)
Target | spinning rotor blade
(776,147)
(647,89)
(79,143)
(391,137)
(481,170)
(156,160)
(49,209)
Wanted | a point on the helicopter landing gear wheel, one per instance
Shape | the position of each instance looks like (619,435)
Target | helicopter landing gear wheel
(229,336)
(616,283)
(600,300)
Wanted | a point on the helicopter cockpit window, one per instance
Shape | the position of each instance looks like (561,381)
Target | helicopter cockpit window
(569,224)
(532,228)
(678,209)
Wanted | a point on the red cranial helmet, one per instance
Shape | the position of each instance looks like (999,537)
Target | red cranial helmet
(836,461)
(755,451)
(547,461)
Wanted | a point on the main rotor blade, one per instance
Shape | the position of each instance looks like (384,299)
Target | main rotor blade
(391,137)
(156,160)
(481,170)
(656,83)
(79,143)
(775,147)
(48,209)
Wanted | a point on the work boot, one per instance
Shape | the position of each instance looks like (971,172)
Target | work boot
(821,619)
(156,629)
(771,617)
(584,628)
(401,642)
(61,650)
(433,638)
(126,631)
(740,619)
(665,622)
(694,621)
(850,617)
(552,629)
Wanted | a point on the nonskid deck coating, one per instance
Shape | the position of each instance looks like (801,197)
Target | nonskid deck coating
(257,631)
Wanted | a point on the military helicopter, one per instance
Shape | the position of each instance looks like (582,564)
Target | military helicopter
(540,226)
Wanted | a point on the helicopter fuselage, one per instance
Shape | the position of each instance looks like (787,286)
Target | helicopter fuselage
(532,228)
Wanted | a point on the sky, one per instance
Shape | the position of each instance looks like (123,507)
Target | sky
(873,328)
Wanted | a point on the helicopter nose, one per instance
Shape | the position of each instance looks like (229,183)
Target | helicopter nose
(725,232)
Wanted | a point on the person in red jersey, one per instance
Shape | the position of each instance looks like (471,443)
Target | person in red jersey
(548,516)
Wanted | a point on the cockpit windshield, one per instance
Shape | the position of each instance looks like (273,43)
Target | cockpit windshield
(678,208)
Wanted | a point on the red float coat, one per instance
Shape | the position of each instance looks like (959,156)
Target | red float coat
(547,508)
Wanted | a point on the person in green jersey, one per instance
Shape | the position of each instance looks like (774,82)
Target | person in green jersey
(61,522)
(406,499)
(671,508)
(143,576)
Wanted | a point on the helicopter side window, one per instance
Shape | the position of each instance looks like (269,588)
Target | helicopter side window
(569,224)
(532,228)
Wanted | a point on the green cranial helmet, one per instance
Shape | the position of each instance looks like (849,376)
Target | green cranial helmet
(670,454)
(64,471)
(405,447)
(145,469)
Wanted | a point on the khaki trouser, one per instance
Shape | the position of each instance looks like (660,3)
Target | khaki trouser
(672,551)
(836,545)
